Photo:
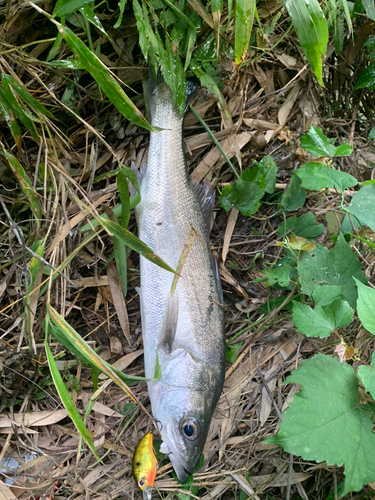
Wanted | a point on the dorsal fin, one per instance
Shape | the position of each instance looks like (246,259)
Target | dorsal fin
(169,325)
(206,198)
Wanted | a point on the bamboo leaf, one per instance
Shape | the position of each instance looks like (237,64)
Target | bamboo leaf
(11,121)
(103,78)
(65,7)
(25,184)
(243,24)
(312,31)
(17,110)
(26,96)
(68,403)
(90,15)
(134,243)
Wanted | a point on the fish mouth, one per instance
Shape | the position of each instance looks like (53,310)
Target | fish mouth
(179,464)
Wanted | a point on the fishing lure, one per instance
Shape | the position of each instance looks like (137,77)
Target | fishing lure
(145,465)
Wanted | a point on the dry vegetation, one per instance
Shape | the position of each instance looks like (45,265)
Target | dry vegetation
(272,102)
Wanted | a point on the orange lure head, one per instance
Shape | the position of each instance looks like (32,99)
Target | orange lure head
(145,463)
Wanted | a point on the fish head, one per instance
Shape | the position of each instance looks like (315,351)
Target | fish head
(183,403)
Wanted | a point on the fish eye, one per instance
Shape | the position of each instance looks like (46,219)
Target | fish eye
(190,429)
(141,483)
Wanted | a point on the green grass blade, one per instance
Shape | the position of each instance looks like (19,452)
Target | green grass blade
(26,96)
(129,239)
(68,403)
(243,24)
(25,184)
(65,7)
(103,78)
(90,15)
(72,339)
(11,121)
(312,31)
(18,111)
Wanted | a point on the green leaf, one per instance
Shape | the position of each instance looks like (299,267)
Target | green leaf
(232,351)
(363,206)
(134,243)
(366,375)
(365,306)
(68,403)
(243,24)
(67,64)
(335,267)
(65,7)
(90,15)
(304,226)
(278,274)
(103,78)
(18,110)
(55,49)
(174,76)
(245,193)
(316,143)
(366,79)
(370,8)
(25,184)
(312,322)
(312,31)
(324,295)
(268,167)
(326,422)
(294,195)
(11,121)
(315,176)
(26,96)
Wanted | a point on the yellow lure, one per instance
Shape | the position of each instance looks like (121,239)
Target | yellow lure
(145,463)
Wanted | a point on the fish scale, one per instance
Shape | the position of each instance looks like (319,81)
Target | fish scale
(187,329)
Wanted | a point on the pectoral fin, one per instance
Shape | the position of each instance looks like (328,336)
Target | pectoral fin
(206,198)
(169,325)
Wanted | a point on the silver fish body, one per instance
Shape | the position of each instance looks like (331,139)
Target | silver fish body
(186,328)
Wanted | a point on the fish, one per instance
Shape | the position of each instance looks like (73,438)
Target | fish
(183,321)
(144,465)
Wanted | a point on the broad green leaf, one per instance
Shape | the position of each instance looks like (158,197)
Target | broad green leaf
(318,144)
(369,8)
(268,166)
(366,375)
(231,353)
(68,403)
(312,322)
(294,195)
(312,31)
(26,185)
(326,422)
(26,96)
(366,79)
(65,7)
(134,243)
(278,274)
(304,226)
(243,24)
(315,176)
(300,243)
(245,193)
(363,206)
(207,81)
(324,295)
(103,78)
(366,306)
(335,267)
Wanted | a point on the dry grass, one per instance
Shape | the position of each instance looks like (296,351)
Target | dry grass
(72,153)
